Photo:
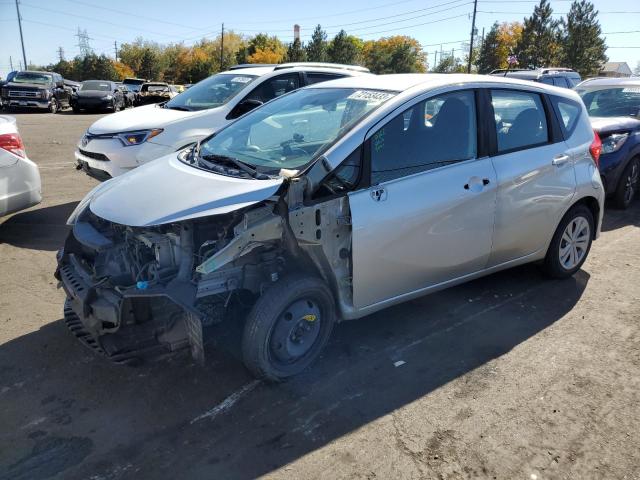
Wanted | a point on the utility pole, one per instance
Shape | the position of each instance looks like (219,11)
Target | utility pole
(11,63)
(435,59)
(115,49)
(24,55)
(222,48)
(473,32)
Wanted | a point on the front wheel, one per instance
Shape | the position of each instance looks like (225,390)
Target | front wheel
(628,184)
(288,327)
(571,243)
(53,106)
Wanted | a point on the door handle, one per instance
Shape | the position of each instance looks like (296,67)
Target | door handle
(485,182)
(560,159)
(379,194)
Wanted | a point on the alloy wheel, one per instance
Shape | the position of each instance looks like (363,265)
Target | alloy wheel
(631,183)
(574,242)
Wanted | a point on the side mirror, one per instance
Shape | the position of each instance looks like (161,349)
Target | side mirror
(60,84)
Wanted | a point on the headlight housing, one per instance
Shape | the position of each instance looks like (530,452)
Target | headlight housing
(614,142)
(129,139)
(108,97)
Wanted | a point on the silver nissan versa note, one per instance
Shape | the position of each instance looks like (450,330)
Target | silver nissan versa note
(330,203)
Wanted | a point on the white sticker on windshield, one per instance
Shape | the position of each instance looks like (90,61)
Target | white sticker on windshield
(370,96)
(241,79)
(631,90)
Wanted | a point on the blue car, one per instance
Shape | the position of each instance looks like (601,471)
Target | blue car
(614,108)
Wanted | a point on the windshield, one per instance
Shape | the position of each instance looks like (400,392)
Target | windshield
(211,92)
(93,85)
(611,101)
(29,77)
(291,131)
(132,87)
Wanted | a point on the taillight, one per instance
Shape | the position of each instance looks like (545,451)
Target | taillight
(11,142)
(596,148)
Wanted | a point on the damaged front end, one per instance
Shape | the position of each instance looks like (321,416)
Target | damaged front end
(142,292)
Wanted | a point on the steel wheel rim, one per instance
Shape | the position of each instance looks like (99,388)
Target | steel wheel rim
(574,243)
(630,183)
(296,331)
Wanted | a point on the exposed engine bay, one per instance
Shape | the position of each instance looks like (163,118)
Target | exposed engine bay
(139,292)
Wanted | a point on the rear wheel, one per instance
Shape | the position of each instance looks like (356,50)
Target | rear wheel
(288,327)
(571,243)
(628,184)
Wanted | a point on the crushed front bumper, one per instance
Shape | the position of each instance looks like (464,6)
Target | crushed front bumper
(95,315)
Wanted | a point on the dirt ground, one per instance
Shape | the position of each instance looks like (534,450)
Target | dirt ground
(509,377)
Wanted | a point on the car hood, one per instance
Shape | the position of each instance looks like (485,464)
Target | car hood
(26,85)
(167,191)
(139,118)
(610,124)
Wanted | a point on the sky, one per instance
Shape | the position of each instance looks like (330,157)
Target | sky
(48,25)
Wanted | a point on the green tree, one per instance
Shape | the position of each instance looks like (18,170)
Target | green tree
(584,48)
(94,67)
(489,59)
(317,47)
(296,52)
(344,49)
(540,44)
(398,54)
(450,64)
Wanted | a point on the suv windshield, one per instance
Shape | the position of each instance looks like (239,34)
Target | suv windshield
(611,101)
(94,85)
(31,77)
(291,131)
(211,92)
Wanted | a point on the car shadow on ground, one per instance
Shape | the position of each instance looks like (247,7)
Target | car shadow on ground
(69,413)
(616,218)
(40,228)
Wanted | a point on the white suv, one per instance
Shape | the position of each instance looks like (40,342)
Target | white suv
(120,142)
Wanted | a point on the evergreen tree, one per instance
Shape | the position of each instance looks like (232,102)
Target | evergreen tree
(539,45)
(296,52)
(317,47)
(344,49)
(489,59)
(584,48)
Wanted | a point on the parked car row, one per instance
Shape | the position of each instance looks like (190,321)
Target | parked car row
(307,206)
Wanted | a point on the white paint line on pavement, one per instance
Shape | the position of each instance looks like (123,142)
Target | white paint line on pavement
(228,402)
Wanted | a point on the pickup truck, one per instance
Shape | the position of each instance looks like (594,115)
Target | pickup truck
(31,89)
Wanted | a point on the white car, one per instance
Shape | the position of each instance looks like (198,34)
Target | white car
(20,185)
(120,142)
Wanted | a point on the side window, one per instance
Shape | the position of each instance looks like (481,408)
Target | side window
(547,80)
(436,132)
(520,119)
(313,77)
(568,112)
(560,82)
(274,87)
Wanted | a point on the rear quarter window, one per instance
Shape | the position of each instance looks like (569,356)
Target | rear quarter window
(568,113)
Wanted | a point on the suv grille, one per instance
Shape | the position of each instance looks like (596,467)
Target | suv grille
(95,156)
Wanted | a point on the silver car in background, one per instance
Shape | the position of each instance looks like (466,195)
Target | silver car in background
(20,185)
(330,203)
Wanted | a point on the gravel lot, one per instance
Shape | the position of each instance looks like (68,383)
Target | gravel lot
(511,376)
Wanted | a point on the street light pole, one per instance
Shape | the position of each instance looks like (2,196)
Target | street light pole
(473,31)
(24,55)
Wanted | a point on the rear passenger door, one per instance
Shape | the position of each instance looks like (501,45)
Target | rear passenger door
(428,216)
(534,167)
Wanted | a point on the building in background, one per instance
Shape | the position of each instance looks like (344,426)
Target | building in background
(615,69)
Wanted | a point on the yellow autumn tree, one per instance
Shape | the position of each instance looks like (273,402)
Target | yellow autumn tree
(123,71)
(508,36)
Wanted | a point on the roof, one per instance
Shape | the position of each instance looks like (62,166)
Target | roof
(400,82)
(610,82)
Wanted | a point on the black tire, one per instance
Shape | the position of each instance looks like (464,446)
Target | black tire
(275,332)
(75,109)
(54,106)
(628,184)
(553,265)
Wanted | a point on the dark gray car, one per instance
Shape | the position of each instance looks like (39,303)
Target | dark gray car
(98,95)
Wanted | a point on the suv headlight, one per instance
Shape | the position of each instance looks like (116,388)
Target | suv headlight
(614,142)
(108,97)
(136,138)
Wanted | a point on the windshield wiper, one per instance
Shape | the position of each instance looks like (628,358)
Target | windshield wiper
(245,167)
(177,107)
